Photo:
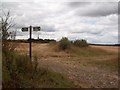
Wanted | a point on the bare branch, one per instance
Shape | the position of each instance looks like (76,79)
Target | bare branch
(6,24)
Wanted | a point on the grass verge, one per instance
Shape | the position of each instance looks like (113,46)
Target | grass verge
(19,72)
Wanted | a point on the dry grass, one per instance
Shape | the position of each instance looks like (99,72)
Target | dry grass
(113,49)
(78,63)
(18,71)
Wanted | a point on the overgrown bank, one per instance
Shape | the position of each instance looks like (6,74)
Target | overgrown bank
(17,69)
(19,72)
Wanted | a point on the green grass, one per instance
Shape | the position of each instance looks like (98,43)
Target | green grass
(18,71)
(55,80)
(111,65)
(45,79)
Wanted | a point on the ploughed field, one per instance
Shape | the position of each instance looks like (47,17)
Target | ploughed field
(88,67)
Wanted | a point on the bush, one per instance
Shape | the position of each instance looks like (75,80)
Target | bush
(64,43)
(80,43)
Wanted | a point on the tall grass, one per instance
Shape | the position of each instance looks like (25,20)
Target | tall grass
(18,71)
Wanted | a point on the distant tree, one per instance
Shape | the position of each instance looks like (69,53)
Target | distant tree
(81,43)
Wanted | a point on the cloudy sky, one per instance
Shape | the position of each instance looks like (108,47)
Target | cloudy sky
(96,22)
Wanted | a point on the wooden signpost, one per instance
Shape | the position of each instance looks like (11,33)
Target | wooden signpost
(25,29)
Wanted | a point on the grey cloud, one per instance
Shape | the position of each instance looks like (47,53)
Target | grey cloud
(119,7)
(96,32)
(20,33)
(64,19)
(60,0)
(98,9)
(46,28)
(10,5)
(79,4)
(18,26)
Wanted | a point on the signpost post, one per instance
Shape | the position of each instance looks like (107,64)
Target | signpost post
(30,39)
(30,42)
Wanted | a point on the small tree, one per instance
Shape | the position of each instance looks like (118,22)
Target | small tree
(64,43)
(6,22)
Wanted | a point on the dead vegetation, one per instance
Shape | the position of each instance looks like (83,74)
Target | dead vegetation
(92,66)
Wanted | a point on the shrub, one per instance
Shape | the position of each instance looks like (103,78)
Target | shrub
(80,43)
(64,43)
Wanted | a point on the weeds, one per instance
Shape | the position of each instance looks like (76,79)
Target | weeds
(18,72)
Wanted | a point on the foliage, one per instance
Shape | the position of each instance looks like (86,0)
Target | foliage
(6,22)
(80,43)
(41,40)
(64,43)
(19,71)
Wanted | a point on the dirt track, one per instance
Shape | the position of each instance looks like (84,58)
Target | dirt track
(78,69)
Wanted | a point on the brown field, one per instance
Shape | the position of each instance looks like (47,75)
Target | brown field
(113,49)
(93,66)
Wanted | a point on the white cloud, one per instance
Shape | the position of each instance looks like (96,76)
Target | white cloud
(59,0)
(109,20)
(95,22)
